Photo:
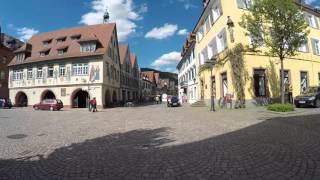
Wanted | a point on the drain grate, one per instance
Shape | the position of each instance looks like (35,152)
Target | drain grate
(17,136)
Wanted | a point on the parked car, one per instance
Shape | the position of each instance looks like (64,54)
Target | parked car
(173,101)
(49,104)
(5,103)
(311,97)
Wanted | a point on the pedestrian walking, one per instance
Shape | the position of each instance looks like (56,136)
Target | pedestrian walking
(93,105)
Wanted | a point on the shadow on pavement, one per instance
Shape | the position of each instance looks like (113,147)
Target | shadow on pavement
(278,148)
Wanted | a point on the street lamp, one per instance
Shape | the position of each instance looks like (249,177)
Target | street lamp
(211,63)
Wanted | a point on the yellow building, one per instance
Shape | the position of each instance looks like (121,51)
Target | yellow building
(262,73)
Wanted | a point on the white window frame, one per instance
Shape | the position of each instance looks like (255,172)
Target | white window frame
(88,47)
(50,71)
(20,57)
(317,46)
(18,75)
(312,21)
(29,73)
(80,69)
(60,52)
(62,70)
(39,72)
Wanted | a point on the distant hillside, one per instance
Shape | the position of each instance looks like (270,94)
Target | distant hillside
(163,75)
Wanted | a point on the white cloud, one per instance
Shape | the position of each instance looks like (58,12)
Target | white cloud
(183,32)
(187,4)
(26,33)
(163,32)
(123,12)
(171,58)
(310,1)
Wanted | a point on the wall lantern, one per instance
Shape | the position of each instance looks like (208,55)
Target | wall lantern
(230,25)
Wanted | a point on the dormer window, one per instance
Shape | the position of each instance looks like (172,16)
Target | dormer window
(75,37)
(44,52)
(20,57)
(61,39)
(47,42)
(88,47)
(62,50)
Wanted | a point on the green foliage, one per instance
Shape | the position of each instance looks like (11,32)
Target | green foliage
(281,107)
(239,73)
(273,80)
(278,24)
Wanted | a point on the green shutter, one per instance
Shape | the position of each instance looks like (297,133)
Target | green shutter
(313,44)
(241,5)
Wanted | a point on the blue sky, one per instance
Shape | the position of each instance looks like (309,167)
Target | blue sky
(155,29)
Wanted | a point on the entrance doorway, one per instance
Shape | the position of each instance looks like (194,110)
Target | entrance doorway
(21,99)
(114,98)
(259,81)
(48,95)
(201,90)
(80,99)
(107,99)
(224,82)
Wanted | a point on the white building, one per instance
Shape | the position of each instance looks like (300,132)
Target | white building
(71,64)
(187,72)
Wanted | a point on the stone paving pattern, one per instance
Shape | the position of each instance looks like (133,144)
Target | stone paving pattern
(155,142)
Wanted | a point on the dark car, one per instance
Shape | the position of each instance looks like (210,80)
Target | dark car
(173,101)
(5,103)
(311,97)
(49,104)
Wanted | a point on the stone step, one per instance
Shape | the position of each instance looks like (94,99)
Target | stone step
(199,104)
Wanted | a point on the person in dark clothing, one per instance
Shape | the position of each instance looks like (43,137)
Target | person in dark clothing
(93,104)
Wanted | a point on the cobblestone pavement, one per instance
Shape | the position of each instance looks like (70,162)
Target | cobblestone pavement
(155,142)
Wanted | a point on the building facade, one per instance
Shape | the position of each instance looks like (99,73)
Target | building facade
(7,45)
(129,74)
(72,65)
(187,72)
(214,38)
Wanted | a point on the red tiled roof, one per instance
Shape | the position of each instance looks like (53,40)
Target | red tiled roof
(100,32)
(123,50)
(149,74)
(133,59)
(157,77)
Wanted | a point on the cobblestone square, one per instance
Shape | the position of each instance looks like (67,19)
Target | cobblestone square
(156,142)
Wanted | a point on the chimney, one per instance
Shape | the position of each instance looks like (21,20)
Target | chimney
(205,3)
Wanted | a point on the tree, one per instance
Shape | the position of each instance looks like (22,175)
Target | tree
(280,26)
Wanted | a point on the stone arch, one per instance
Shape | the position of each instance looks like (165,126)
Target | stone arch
(47,94)
(21,99)
(80,98)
